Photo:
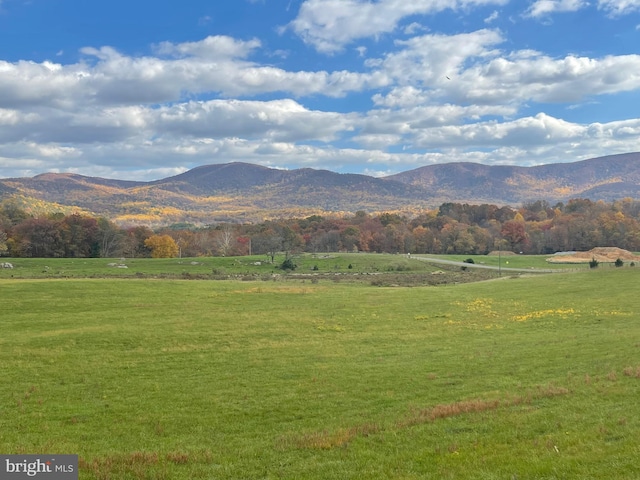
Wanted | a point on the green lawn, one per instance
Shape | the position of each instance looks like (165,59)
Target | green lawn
(248,265)
(522,378)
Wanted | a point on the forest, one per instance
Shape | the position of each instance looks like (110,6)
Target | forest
(453,228)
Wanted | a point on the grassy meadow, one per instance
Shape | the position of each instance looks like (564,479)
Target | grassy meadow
(257,265)
(207,266)
(532,377)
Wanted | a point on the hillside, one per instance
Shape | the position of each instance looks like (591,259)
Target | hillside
(246,192)
(604,178)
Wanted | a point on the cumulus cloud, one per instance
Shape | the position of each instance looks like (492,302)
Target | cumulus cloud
(539,130)
(545,79)
(433,98)
(215,65)
(471,68)
(329,25)
(278,120)
(429,59)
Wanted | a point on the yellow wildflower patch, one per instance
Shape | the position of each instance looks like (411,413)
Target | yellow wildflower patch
(558,312)
(482,306)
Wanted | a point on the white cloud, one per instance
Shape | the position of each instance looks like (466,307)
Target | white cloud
(213,48)
(545,79)
(278,120)
(528,141)
(414,28)
(124,116)
(619,7)
(329,25)
(613,8)
(481,74)
(539,130)
(545,7)
(492,18)
(477,72)
(215,65)
(429,59)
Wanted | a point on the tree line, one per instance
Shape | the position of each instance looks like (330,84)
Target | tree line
(453,228)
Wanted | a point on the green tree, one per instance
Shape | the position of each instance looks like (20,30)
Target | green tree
(288,264)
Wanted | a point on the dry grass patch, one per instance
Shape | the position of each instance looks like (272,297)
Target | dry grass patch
(632,371)
(326,440)
(140,464)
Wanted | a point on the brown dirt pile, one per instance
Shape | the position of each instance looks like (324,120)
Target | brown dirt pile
(503,253)
(601,254)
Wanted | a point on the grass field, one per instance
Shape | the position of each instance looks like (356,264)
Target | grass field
(527,378)
(217,266)
(255,265)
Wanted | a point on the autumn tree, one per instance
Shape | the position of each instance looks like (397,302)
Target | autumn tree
(245,245)
(11,214)
(134,242)
(225,240)
(162,246)
(37,237)
(110,238)
(425,240)
(514,233)
(203,243)
(3,243)
(326,241)
(79,236)
(349,237)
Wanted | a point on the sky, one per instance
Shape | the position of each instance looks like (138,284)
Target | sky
(143,90)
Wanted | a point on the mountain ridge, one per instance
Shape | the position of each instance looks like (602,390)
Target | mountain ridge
(241,191)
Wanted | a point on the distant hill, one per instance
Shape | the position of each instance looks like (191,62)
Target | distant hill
(604,178)
(246,192)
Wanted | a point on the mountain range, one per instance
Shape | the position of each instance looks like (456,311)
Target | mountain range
(246,192)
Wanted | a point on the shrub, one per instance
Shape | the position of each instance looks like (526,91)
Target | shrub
(469,260)
(288,265)
(619,262)
(400,266)
(593,263)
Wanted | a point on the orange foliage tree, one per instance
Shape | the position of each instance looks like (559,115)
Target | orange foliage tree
(162,246)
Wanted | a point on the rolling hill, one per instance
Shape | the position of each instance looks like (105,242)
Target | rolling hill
(246,192)
(604,178)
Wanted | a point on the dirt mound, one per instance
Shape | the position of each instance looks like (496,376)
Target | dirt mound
(502,253)
(601,254)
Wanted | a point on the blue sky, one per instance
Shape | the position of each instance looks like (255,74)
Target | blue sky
(144,90)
